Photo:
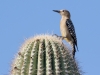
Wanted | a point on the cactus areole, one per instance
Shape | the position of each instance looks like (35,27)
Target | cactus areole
(44,55)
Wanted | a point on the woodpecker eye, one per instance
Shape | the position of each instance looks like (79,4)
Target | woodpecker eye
(63,10)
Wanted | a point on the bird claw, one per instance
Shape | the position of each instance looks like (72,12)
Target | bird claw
(55,35)
(60,37)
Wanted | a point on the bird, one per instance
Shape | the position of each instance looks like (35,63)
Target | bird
(67,29)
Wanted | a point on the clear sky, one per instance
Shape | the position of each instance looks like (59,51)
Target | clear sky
(20,19)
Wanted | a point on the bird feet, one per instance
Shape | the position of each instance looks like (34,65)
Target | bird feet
(60,37)
(55,35)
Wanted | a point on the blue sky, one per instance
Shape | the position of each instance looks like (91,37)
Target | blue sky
(20,19)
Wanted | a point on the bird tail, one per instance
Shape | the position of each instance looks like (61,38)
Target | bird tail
(73,47)
(73,50)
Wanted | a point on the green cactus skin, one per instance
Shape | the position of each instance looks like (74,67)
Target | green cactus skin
(44,55)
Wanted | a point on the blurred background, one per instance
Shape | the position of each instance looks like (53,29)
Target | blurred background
(21,19)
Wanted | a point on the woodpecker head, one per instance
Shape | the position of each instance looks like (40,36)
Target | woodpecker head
(63,12)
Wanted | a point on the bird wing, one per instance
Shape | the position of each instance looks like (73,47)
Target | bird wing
(71,30)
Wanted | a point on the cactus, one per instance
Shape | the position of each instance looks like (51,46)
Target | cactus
(44,55)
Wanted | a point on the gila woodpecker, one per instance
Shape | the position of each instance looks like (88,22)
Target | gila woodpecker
(67,29)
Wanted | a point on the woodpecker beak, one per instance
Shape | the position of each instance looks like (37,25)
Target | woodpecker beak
(56,11)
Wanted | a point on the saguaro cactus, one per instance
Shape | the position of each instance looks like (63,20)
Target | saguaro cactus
(44,55)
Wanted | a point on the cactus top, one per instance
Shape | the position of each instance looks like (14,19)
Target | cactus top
(44,55)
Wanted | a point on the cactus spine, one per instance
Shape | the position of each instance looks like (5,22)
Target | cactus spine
(44,55)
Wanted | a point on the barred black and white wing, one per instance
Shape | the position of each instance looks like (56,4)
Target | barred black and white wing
(72,32)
